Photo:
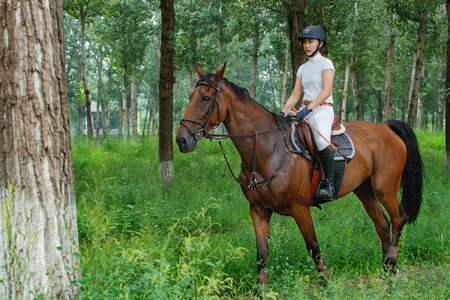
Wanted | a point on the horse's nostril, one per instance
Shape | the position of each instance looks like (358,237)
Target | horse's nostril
(182,144)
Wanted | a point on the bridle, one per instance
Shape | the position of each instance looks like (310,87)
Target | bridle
(202,132)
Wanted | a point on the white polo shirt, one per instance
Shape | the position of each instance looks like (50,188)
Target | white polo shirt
(311,75)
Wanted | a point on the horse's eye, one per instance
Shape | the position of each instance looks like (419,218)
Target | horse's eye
(206,98)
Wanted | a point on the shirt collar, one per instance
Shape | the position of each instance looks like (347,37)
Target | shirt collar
(315,58)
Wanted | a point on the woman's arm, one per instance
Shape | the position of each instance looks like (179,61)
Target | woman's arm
(327,77)
(295,96)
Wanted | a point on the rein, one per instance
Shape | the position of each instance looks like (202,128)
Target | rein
(253,183)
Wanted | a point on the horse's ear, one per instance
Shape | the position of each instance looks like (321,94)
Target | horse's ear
(220,72)
(200,71)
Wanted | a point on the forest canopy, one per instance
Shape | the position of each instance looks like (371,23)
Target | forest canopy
(123,57)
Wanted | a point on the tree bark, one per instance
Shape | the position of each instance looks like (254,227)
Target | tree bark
(441,96)
(285,72)
(387,94)
(192,77)
(379,107)
(255,52)
(124,104)
(296,23)
(219,38)
(38,221)
(99,95)
(359,114)
(417,69)
(87,93)
(134,86)
(447,85)
(343,106)
(166,81)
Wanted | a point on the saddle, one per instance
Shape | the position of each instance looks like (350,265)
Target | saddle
(303,141)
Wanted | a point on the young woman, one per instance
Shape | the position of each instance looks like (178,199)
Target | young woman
(315,81)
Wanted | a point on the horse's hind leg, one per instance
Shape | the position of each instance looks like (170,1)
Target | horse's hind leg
(373,208)
(386,189)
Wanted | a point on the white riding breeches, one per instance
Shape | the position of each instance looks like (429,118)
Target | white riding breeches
(322,119)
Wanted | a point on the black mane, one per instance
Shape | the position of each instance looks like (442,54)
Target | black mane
(242,93)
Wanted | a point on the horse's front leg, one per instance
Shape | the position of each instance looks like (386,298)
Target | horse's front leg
(261,224)
(303,218)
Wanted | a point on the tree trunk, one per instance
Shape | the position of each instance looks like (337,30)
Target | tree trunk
(87,94)
(192,77)
(38,221)
(219,38)
(441,96)
(343,106)
(108,105)
(99,96)
(379,107)
(255,52)
(388,101)
(166,80)
(296,22)
(124,104)
(419,113)
(447,85)
(417,69)
(153,115)
(359,114)
(285,72)
(134,123)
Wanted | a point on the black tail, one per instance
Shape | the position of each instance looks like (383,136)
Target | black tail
(412,178)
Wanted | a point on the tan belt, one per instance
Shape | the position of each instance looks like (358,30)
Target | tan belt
(306,103)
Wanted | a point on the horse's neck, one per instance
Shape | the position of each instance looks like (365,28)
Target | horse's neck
(247,118)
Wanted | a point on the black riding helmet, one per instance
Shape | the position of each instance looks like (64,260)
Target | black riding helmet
(314,32)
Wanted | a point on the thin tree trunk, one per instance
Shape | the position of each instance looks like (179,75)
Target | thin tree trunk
(166,79)
(417,69)
(192,77)
(255,52)
(419,113)
(87,94)
(419,103)
(219,38)
(343,108)
(388,101)
(285,72)
(441,96)
(38,220)
(296,22)
(379,107)
(134,123)
(99,96)
(359,114)
(153,115)
(124,104)
(108,105)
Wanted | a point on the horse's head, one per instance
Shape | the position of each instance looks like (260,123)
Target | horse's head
(204,111)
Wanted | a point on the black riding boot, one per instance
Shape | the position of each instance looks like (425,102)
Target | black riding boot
(326,191)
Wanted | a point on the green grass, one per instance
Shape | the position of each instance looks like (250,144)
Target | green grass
(196,240)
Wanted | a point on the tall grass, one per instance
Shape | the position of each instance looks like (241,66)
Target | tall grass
(196,240)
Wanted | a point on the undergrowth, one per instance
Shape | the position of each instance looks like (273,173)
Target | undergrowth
(195,240)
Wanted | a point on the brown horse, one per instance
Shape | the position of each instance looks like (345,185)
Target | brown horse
(274,179)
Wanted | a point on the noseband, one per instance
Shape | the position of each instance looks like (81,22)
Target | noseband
(201,133)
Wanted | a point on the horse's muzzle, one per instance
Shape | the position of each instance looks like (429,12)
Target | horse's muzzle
(186,144)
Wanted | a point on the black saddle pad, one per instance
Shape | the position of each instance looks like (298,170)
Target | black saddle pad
(345,145)
(342,142)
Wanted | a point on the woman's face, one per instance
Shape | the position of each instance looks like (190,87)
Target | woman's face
(310,45)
